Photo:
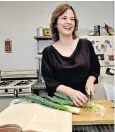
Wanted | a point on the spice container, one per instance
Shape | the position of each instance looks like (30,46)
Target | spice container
(40,32)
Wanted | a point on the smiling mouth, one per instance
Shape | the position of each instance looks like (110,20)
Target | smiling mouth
(67,28)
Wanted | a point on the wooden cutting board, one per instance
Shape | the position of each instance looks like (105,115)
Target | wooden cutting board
(89,118)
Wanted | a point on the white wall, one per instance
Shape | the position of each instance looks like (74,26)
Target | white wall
(19,21)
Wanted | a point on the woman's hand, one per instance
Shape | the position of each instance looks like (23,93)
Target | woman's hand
(78,98)
(90,89)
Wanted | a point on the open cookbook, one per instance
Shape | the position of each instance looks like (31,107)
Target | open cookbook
(32,117)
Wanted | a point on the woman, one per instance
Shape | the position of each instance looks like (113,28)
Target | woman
(70,65)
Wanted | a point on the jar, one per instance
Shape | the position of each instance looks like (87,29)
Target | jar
(39,31)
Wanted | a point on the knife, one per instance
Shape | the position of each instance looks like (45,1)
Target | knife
(89,96)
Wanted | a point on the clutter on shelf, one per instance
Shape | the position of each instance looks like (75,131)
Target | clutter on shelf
(99,30)
(41,32)
(105,30)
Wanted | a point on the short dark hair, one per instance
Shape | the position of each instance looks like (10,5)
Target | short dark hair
(56,13)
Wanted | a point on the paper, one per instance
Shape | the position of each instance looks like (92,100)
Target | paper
(107,42)
(51,120)
(92,41)
(37,117)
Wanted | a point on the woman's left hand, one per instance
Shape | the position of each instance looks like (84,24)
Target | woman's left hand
(90,89)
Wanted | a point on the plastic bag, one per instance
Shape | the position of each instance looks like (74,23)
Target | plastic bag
(109,89)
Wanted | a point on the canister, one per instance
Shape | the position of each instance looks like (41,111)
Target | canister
(39,31)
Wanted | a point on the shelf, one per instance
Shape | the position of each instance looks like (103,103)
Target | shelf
(42,38)
(108,66)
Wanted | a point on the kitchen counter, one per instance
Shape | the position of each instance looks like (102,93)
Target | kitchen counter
(5,102)
(76,128)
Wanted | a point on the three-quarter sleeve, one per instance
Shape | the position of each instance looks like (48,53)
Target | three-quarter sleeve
(94,63)
(47,73)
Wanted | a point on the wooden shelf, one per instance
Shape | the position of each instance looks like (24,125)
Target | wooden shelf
(42,38)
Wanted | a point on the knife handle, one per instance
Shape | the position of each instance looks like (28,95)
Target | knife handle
(89,96)
(113,107)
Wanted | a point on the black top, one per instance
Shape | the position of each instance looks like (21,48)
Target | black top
(70,71)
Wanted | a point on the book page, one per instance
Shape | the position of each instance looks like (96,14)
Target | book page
(37,117)
(20,114)
(50,120)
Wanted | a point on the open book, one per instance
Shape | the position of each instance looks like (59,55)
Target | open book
(33,117)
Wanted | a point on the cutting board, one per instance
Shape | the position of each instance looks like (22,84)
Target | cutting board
(89,118)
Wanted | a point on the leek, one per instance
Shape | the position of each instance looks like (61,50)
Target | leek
(42,101)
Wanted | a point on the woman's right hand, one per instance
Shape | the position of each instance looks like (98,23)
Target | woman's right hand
(78,98)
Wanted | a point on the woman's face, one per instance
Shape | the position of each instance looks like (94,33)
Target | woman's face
(66,23)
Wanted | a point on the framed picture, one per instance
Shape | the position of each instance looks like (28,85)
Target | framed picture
(111,57)
(110,71)
(100,56)
(8,46)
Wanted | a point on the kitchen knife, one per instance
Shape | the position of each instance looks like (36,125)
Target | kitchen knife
(89,96)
